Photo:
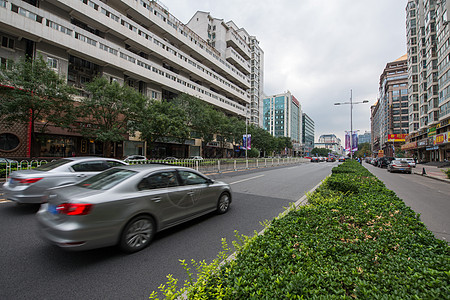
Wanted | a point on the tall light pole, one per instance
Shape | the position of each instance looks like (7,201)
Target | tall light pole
(351,118)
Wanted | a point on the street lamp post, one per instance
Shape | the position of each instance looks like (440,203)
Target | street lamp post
(351,118)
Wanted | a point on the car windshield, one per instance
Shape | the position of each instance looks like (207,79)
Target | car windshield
(106,179)
(52,165)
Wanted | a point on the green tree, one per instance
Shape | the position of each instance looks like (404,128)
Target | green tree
(159,120)
(108,111)
(320,152)
(363,150)
(37,94)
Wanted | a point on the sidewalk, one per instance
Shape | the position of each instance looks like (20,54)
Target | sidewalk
(431,172)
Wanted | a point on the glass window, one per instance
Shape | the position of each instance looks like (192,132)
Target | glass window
(8,141)
(190,178)
(53,165)
(91,166)
(159,181)
(107,179)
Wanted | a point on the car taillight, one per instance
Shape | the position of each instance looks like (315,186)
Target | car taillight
(74,209)
(27,180)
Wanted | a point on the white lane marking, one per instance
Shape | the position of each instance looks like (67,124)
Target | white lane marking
(239,181)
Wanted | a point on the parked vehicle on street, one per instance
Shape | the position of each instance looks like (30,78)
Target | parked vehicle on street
(29,186)
(196,157)
(135,158)
(383,162)
(170,158)
(127,205)
(399,166)
(341,159)
(410,161)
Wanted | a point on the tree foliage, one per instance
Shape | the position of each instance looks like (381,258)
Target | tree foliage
(320,152)
(35,93)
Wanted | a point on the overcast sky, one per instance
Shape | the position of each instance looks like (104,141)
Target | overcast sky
(319,50)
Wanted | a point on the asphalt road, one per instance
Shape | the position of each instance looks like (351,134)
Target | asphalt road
(426,196)
(32,269)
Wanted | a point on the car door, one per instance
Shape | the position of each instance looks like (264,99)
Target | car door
(198,189)
(169,201)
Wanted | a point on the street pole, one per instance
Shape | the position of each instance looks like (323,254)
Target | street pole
(351,124)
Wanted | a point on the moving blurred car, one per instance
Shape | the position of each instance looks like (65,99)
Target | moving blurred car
(131,158)
(314,159)
(127,205)
(29,186)
(399,166)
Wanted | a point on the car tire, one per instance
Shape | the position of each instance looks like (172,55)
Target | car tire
(137,234)
(223,204)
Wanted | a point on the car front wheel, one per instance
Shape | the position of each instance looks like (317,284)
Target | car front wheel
(137,234)
(224,203)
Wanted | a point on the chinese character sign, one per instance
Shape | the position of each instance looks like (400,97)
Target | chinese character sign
(247,141)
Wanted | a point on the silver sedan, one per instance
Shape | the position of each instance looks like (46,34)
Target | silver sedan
(126,206)
(29,186)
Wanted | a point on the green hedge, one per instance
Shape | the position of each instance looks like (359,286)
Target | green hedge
(355,239)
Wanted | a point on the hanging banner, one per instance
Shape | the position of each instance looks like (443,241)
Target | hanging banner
(347,142)
(355,141)
(247,141)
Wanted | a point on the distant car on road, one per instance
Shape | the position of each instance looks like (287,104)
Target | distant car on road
(341,159)
(331,159)
(399,166)
(29,186)
(127,205)
(314,159)
(170,158)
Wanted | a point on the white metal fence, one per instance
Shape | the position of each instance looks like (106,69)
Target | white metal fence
(206,166)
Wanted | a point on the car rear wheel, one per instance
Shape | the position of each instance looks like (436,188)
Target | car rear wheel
(137,234)
(223,204)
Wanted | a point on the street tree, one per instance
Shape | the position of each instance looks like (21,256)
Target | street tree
(107,111)
(34,93)
(320,152)
(158,121)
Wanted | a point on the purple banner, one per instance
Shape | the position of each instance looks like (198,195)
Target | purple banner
(247,141)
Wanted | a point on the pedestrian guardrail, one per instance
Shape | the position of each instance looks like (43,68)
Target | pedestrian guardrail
(204,165)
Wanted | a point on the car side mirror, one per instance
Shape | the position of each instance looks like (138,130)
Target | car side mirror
(209,181)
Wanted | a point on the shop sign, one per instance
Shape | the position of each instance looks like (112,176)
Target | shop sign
(380,153)
(397,137)
(409,146)
(432,148)
(443,123)
(422,143)
(431,131)
(441,138)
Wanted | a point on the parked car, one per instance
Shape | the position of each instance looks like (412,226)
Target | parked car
(410,161)
(399,166)
(127,205)
(383,162)
(196,157)
(135,158)
(315,159)
(170,158)
(29,186)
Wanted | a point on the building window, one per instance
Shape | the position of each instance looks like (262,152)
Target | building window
(7,42)
(8,142)
(52,62)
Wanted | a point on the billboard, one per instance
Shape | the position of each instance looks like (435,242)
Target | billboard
(247,141)
(354,142)
(397,137)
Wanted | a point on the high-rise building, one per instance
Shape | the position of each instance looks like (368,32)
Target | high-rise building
(139,43)
(364,138)
(240,50)
(307,134)
(428,72)
(390,115)
(282,116)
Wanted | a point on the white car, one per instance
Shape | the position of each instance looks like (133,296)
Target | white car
(410,161)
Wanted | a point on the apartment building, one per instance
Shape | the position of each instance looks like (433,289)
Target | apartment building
(307,134)
(390,116)
(282,116)
(364,138)
(428,71)
(139,43)
(240,49)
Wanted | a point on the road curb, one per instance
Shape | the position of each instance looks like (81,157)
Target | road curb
(432,177)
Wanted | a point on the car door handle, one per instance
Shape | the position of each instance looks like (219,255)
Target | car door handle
(81,175)
(156,199)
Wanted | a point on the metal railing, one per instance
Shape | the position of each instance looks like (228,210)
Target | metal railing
(206,166)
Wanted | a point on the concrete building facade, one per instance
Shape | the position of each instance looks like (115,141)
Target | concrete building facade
(428,72)
(330,142)
(308,134)
(139,43)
